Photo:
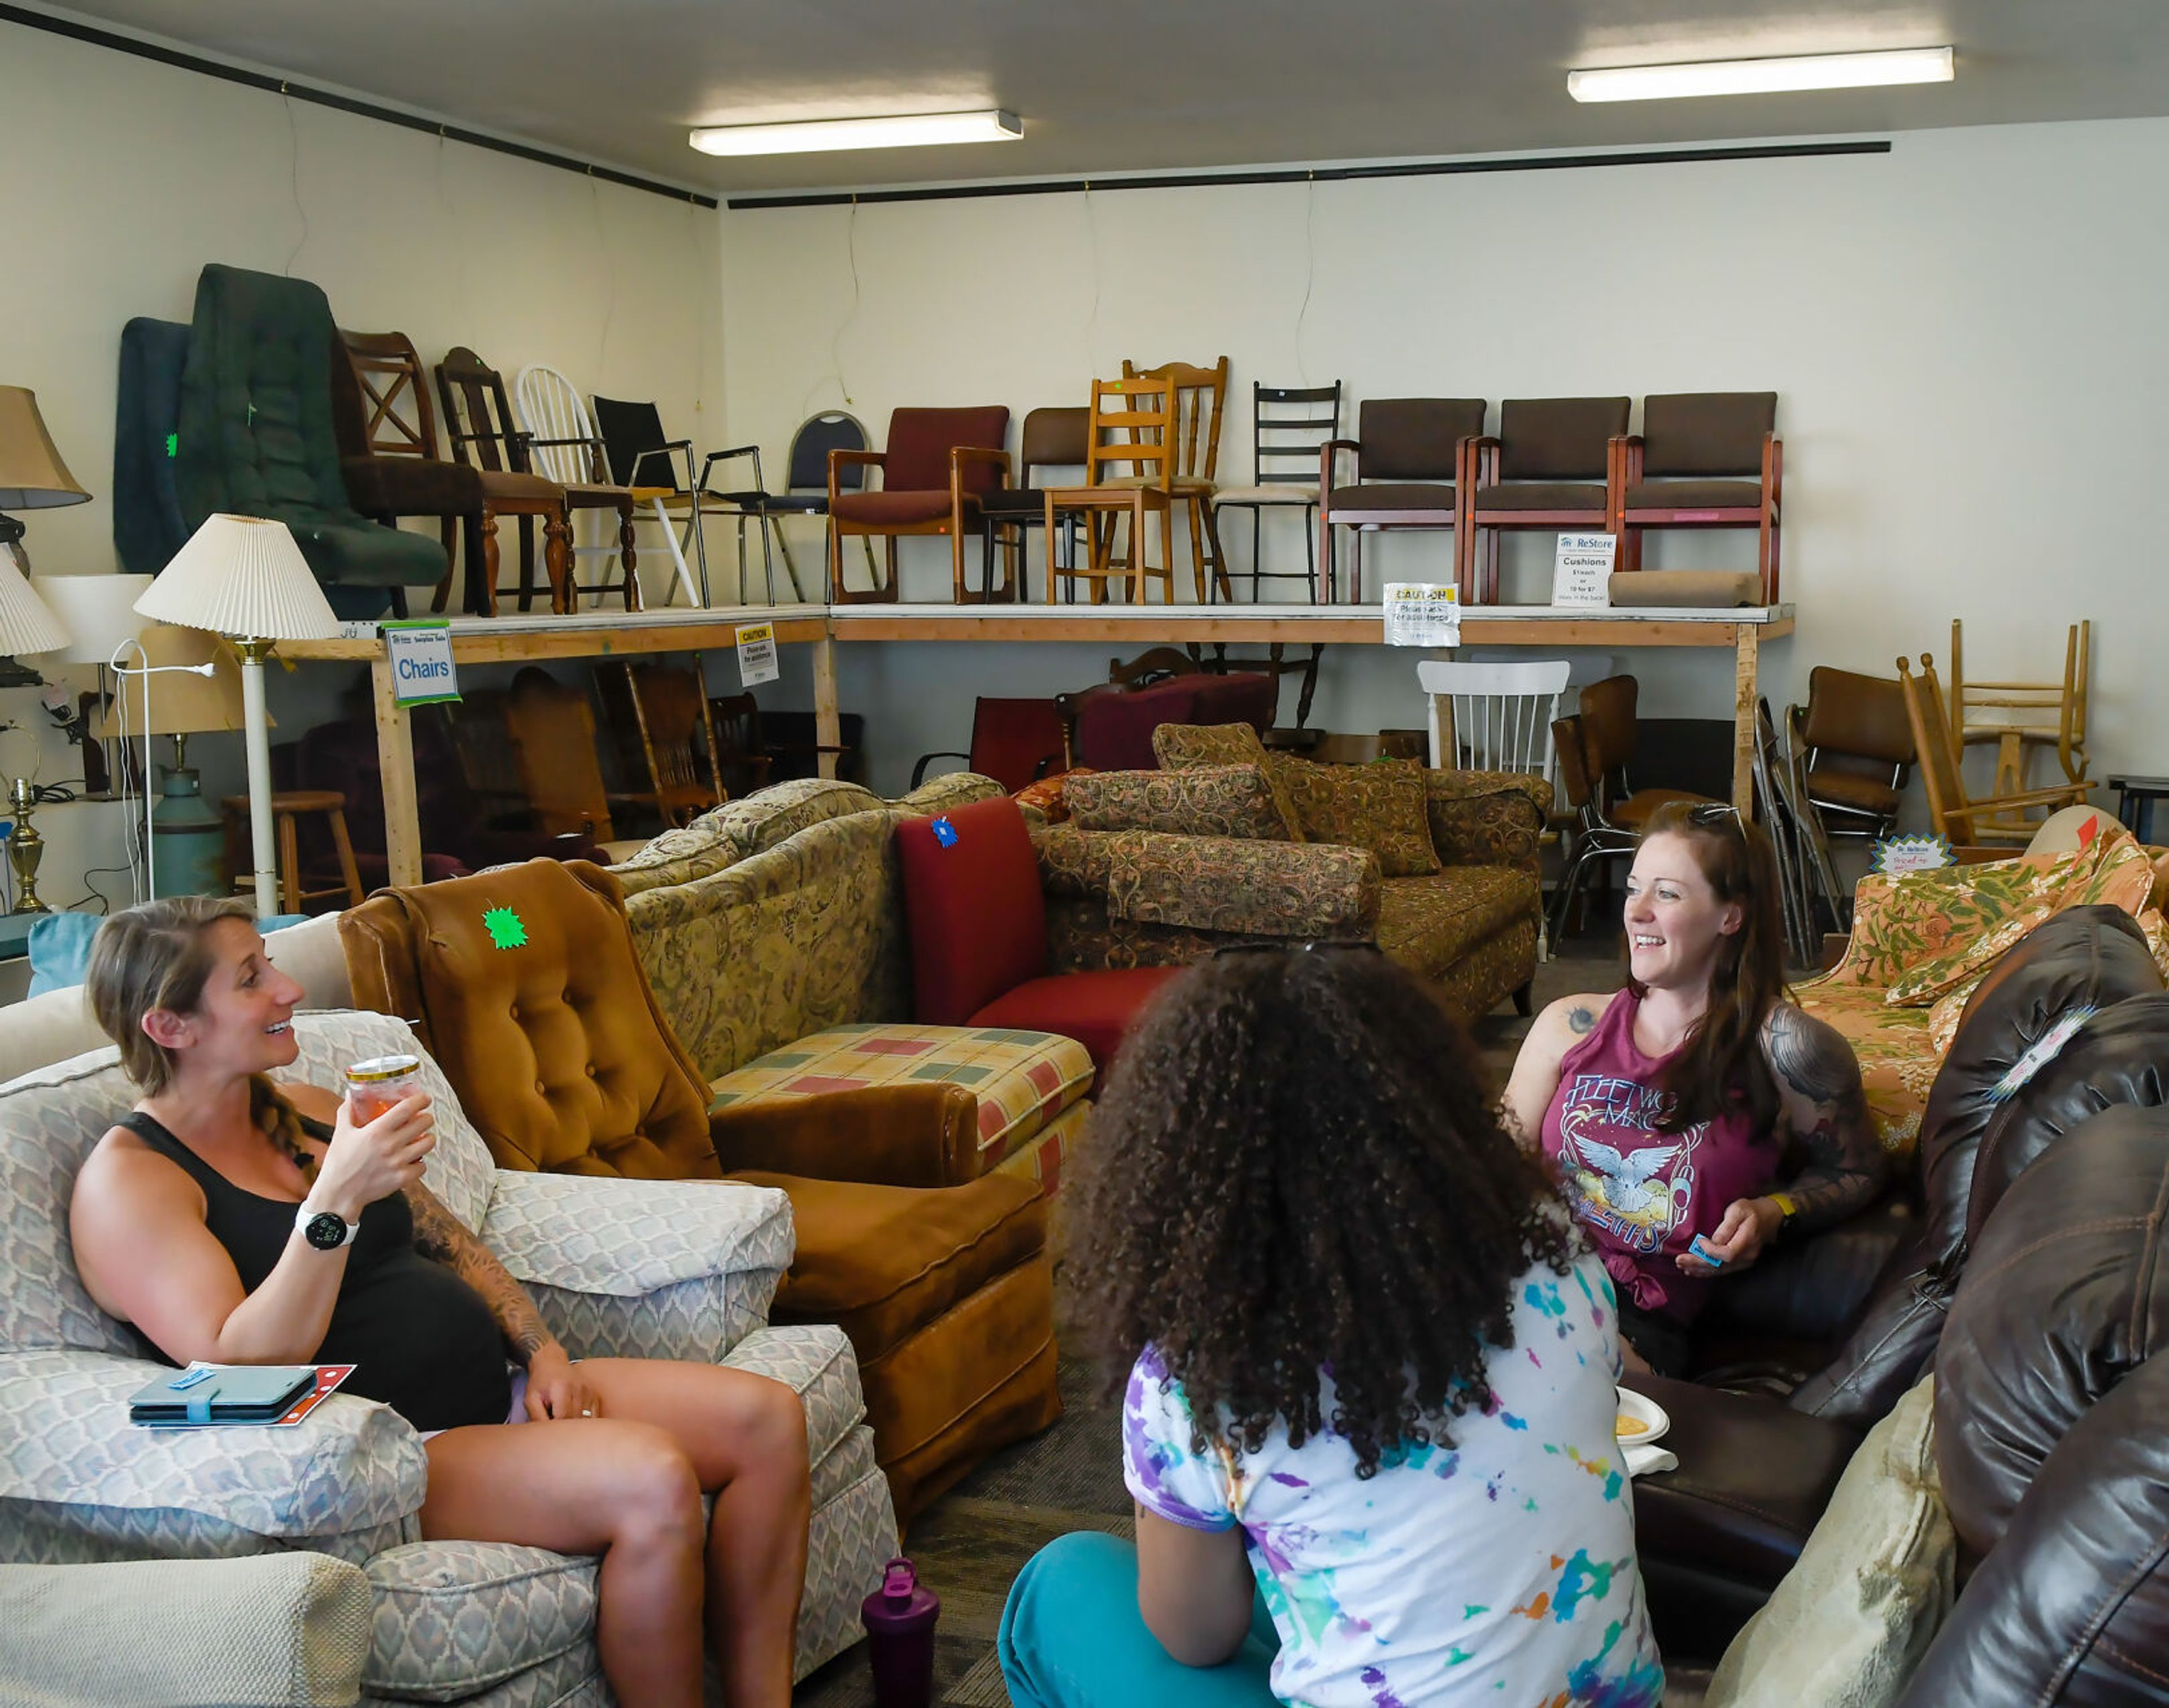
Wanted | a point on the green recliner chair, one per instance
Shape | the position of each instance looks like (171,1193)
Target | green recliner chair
(257,438)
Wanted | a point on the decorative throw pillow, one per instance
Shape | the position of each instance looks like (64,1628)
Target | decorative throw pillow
(1178,746)
(1050,795)
(1853,1618)
(1205,800)
(1378,807)
(1987,909)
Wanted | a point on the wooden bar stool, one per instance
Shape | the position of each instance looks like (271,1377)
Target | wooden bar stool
(288,806)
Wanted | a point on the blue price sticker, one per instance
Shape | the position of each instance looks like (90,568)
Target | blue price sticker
(945,832)
(1700,1248)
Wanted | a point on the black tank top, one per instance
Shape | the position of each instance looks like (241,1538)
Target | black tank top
(420,1339)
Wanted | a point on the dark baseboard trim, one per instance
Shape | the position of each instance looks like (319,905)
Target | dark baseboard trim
(1319,175)
(162,55)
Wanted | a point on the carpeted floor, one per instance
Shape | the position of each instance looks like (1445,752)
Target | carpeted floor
(972,1542)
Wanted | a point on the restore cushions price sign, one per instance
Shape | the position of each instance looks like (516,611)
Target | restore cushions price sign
(757,660)
(420,649)
(1581,569)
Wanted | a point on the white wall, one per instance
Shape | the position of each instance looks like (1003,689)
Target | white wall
(1966,335)
(124,178)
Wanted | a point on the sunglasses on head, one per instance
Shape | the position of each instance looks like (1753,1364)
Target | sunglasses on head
(1713,812)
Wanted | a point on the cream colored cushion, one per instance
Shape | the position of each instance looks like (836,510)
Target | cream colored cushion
(2060,831)
(280,1628)
(1855,1615)
(1717,588)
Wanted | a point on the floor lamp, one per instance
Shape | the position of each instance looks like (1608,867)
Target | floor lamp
(244,577)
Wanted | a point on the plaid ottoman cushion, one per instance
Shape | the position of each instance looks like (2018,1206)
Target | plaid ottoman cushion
(1023,1080)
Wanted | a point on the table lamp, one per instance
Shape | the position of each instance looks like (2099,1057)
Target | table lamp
(184,684)
(25,626)
(99,612)
(32,476)
(244,577)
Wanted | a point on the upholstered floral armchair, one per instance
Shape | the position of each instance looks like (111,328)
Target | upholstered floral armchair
(619,1266)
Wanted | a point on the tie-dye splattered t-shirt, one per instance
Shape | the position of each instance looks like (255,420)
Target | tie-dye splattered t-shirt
(1498,1570)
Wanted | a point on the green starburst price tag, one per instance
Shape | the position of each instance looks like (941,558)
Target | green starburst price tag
(506,928)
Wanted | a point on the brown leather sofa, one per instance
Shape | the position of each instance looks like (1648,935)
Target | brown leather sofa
(524,984)
(2039,1287)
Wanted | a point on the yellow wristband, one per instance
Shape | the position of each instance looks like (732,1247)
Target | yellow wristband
(1785,1205)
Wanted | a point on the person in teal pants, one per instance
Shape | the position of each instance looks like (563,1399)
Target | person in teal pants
(1369,1421)
(1071,1633)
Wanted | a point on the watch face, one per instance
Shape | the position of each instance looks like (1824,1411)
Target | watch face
(326,1231)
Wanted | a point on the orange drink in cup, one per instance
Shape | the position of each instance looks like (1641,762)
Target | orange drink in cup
(375,1086)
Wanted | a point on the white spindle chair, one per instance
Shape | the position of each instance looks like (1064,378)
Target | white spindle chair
(549,406)
(1495,717)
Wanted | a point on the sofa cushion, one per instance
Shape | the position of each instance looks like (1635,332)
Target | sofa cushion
(1098,1009)
(1853,1618)
(1379,807)
(453,1619)
(739,828)
(1897,1056)
(1427,924)
(1044,1156)
(1237,801)
(1022,1079)
(881,1261)
(1050,796)
(972,902)
(1178,746)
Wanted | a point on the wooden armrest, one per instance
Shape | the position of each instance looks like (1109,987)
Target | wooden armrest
(845,459)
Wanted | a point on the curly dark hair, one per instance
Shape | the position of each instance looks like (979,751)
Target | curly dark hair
(1297,1169)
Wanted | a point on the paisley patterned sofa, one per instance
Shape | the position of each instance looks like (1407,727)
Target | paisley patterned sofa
(639,1268)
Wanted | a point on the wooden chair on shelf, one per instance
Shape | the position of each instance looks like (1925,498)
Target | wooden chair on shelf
(1853,744)
(666,739)
(1702,460)
(1408,471)
(1549,470)
(552,728)
(479,422)
(1130,426)
(742,761)
(2064,704)
(1952,812)
(1201,394)
(937,463)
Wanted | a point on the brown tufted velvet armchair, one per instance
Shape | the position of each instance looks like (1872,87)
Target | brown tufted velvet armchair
(564,1062)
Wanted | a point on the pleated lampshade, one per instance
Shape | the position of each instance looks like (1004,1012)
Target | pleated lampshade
(181,704)
(26,625)
(243,576)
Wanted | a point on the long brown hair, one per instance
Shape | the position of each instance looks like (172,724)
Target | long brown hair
(1297,1167)
(157,955)
(1721,1063)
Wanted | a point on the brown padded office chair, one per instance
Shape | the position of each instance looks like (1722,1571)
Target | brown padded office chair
(564,1063)
(1857,745)
(1702,460)
(938,464)
(1537,473)
(1410,458)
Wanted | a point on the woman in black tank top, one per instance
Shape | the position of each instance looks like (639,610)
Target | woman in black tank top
(228,1220)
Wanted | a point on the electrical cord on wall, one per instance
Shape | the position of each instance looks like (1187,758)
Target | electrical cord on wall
(139,859)
(836,339)
(294,178)
(1309,269)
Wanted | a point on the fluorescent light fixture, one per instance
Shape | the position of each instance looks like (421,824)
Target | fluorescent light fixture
(1763,76)
(903,131)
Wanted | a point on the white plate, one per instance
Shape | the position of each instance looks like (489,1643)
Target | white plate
(1646,1411)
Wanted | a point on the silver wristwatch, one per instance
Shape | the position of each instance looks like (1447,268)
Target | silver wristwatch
(326,1230)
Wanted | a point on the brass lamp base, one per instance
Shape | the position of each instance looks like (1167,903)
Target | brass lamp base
(26,848)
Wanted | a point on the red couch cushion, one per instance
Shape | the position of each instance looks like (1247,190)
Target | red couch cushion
(1095,1009)
(1114,729)
(977,920)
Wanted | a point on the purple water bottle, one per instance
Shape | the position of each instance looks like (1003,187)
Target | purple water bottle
(899,1621)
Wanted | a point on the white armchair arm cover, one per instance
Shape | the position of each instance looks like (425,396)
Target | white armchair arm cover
(643,1269)
(347,1479)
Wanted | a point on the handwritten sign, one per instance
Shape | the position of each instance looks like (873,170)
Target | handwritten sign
(1896,855)
(757,661)
(1422,614)
(420,649)
(1581,569)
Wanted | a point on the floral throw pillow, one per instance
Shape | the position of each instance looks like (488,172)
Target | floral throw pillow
(1050,795)
(1378,807)
(1233,801)
(1178,746)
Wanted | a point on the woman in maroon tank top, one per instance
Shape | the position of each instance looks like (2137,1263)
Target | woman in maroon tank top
(1672,1110)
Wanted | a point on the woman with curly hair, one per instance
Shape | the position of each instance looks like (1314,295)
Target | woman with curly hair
(1670,1111)
(1369,1375)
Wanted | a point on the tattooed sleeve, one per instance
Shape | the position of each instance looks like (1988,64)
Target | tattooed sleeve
(1841,1166)
(440,1234)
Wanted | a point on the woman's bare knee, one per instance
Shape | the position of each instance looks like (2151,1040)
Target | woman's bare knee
(654,1491)
(775,1426)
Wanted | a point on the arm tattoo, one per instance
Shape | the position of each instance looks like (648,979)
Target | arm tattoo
(1511,1123)
(1580,1020)
(1843,1168)
(440,1234)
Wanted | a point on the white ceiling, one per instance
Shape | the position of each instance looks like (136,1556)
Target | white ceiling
(1108,86)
